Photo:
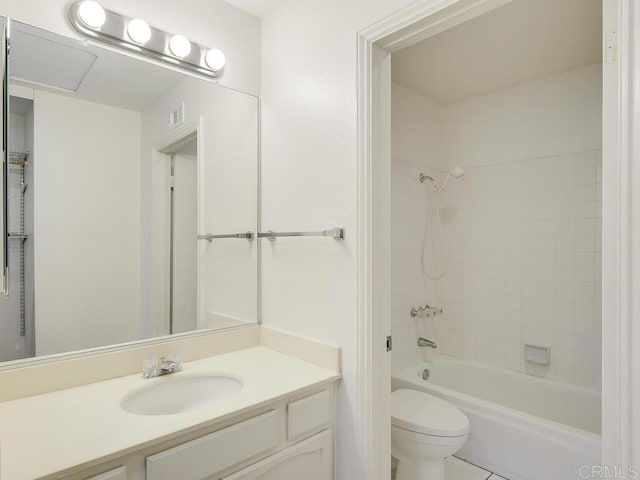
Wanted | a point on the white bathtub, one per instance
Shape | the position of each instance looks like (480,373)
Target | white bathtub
(522,427)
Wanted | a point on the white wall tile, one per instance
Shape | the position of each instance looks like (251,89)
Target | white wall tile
(537,267)
(524,242)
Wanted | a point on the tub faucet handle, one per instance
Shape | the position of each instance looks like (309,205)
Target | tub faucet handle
(423,342)
(426,311)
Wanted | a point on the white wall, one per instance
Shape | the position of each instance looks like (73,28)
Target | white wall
(560,114)
(523,226)
(212,23)
(309,180)
(87,224)
(416,128)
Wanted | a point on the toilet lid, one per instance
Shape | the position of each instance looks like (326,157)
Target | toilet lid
(423,413)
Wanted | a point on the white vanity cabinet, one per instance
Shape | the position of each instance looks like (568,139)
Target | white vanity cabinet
(204,456)
(311,459)
(291,438)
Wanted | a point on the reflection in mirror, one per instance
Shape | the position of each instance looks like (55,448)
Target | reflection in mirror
(117,167)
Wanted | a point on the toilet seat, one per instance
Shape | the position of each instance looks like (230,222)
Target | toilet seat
(425,414)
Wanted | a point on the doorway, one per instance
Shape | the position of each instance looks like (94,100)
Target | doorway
(183,277)
(418,22)
(178,184)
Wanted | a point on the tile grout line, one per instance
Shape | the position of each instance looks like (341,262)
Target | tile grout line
(478,466)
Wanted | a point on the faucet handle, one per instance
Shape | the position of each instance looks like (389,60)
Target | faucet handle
(150,367)
(176,358)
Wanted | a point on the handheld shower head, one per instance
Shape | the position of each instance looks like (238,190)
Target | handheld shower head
(455,172)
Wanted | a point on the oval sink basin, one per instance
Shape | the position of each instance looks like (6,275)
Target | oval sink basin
(180,393)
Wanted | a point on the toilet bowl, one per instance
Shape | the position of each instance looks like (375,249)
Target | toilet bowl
(424,431)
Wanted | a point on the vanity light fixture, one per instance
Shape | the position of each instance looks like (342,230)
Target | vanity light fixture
(215,59)
(180,46)
(93,21)
(92,14)
(139,31)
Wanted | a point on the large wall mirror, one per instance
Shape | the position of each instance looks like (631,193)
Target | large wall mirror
(132,200)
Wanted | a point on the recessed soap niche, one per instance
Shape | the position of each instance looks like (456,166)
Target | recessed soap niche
(538,354)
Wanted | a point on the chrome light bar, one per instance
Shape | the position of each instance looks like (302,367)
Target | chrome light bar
(93,21)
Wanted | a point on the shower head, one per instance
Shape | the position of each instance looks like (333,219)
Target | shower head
(457,172)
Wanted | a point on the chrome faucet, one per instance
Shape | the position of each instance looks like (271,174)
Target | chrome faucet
(423,342)
(426,311)
(156,367)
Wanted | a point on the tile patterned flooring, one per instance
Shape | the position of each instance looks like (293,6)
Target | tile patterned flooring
(457,469)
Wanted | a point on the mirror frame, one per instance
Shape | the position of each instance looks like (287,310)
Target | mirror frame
(6,109)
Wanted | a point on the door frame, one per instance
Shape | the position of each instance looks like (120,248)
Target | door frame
(621,222)
(163,149)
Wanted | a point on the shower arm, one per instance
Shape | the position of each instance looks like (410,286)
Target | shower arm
(424,178)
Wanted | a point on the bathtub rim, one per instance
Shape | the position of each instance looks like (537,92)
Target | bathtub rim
(411,375)
(442,358)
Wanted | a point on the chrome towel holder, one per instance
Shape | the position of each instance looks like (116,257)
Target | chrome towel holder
(209,236)
(337,233)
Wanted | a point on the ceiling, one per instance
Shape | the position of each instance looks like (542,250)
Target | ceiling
(258,8)
(46,60)
(521,42)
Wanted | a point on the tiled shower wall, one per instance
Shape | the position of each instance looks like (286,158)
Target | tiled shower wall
(416,148)
(408,211)
(525,266)
(524,251)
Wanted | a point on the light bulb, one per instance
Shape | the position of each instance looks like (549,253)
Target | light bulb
(139,31)
(180,46)
(215,59)
(92,14)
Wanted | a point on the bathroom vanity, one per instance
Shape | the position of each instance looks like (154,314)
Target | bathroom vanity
(279,425)
(134,233)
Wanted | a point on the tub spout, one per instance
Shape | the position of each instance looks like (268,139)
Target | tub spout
(423,342)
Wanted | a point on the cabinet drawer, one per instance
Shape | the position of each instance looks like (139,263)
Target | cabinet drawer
(311,459)
(308,415)
(115,474)
(212,453)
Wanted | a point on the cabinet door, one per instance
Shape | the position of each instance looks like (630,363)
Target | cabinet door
(310,460)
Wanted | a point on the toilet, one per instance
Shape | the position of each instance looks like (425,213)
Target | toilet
(424,431)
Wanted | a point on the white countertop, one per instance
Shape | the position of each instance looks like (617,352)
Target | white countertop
(45,434)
